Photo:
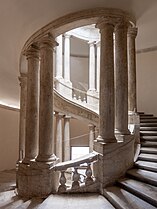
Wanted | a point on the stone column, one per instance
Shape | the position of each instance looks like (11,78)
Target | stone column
(121,77)
(132,105)
(67,57)
(98,65)
(91,136)
(67,146)
(46,141)
(59,140)
(59,58)
(106,94)
(22,126)
(92,66)
(32,106)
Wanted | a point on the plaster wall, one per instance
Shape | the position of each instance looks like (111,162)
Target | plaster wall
(9,123)
(147,82)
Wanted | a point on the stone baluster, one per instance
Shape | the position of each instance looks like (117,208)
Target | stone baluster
(67,147)
(98,65)
(106,94)
(91,136)
(46,141)
(59,139)
(22,126)
(32,104)
(121,78)
(132,104)
(62,186)
(89,179)
(76,179)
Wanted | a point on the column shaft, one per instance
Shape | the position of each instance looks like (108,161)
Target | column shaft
(59,58)
(106,94)
(22,126)
(67,146)
(91,66)
(121,76)
(46,142)
(32,106)
(59,140)
(132,104)
(98,65)
(91,136)
(67,57)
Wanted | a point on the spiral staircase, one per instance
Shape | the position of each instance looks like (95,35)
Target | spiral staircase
(136,190)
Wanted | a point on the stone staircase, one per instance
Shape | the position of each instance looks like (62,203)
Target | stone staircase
(137,190)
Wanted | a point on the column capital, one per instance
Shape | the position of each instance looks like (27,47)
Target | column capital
(122,24)
(59,115)
(67,117)
(91,127)
(32,51)
(67,35)
(91,43)
(97,44)
(102,22)
(47,41)
(132,32)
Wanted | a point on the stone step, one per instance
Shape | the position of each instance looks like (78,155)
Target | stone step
(147,117)
(148,128)
(150,166)
(15,203)
(148,157)
(7,197)
(34,203)
(148,120)
(149,150)
(149,144)
(147,124)
(143,175)
(148,138)
(144,191)
(148,133)
(122,199)
(71,201)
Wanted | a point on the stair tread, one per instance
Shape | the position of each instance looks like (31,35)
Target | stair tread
(143,190)
(149,144)
(143,175)
(152,128)
(149,138)
(152,150)
(152,166)
(150,120)
(34,203)
(121,198)
(85,201)
(147,124)
(148,157)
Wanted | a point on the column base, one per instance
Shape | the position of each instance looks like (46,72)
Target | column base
(46,158)
(36,180)
(114,160)
(106,140)
(28,160)
(122,132)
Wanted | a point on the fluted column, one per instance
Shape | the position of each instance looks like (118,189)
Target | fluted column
(59,139)
(46,141)
(98,65)
(121,77)
(67,146)
(106,94)
(91,136)
(92,66)
(22,126)
(59,57)
(132,104)
(67,57)
(32,106)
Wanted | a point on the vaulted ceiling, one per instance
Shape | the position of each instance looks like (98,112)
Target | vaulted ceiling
(19,19)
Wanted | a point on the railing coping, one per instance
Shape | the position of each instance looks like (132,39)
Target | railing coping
(91,157)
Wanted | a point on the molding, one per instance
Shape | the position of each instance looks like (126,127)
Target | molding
(9,108)
(150,49)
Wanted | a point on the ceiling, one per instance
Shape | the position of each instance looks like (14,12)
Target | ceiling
(21,18)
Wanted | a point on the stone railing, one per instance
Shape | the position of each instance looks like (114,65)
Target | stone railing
(72,179)
(77,95)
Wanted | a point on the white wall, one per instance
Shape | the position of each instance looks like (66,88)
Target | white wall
(147,82)
(9,123)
